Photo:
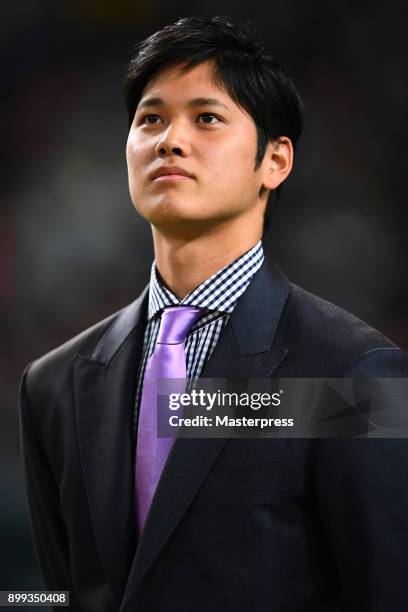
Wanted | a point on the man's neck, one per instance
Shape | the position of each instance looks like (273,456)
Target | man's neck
(186,262)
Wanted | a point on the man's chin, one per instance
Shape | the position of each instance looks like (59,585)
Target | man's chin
(180,223)
(170,213)
(173,216)
(183,226)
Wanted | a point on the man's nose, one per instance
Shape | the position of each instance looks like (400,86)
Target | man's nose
(174,141)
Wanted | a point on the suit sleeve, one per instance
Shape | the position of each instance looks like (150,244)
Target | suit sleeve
(42,492)
(362,493)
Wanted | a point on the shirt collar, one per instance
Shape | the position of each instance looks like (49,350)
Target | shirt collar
(220,292)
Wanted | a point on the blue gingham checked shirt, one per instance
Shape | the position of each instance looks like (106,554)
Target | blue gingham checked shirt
(217,296)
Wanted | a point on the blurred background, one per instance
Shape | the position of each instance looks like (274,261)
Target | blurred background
(73,250)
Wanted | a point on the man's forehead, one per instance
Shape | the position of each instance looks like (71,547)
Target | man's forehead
(202,77)
(202,70)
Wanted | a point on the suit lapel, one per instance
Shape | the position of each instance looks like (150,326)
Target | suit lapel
(244,350)
(105,386)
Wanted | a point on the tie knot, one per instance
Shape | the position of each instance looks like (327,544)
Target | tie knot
(176,322)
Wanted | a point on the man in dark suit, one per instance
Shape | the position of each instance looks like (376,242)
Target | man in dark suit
(234,524)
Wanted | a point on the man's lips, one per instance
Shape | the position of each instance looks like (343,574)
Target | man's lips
(172,177)
(170,173)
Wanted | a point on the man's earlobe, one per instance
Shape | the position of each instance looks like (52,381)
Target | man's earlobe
(278,162)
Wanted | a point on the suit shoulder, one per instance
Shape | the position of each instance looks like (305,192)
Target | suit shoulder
(330,337)
(54,364)
(332,323)
(53,372)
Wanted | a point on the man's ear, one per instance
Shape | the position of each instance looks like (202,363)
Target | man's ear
(277,162)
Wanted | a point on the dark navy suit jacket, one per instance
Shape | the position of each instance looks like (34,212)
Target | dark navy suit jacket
(271,525)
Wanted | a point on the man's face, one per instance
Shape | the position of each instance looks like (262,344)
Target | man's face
(185,123)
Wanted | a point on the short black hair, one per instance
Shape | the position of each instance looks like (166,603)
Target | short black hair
(254,80)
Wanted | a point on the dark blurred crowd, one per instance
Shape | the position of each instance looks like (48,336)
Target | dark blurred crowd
(72,248)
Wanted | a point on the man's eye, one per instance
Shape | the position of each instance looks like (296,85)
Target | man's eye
(150,118)
(208,118)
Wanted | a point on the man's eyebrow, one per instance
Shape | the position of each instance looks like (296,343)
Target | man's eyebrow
(150,102)
(194,103)
(206,102)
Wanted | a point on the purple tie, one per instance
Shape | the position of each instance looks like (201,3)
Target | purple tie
(167,361)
